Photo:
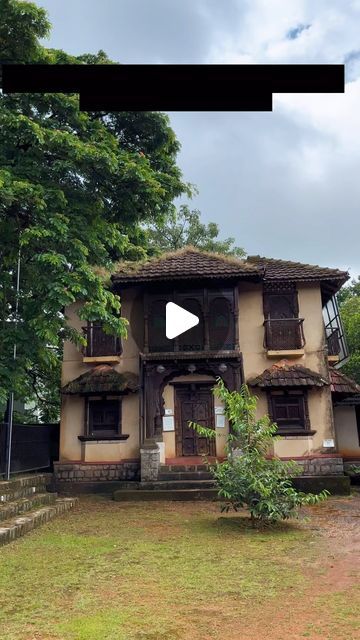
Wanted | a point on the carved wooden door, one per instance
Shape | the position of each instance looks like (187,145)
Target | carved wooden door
(194,403)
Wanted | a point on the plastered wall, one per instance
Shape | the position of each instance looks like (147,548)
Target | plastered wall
(347,431)
(255,360)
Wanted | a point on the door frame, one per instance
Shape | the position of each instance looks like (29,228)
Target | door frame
(178,386)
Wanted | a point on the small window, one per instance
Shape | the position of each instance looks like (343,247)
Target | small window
(289,412)
(104,417)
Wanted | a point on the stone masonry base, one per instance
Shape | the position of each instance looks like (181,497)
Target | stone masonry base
(71,472)
(318,472)
(321,465)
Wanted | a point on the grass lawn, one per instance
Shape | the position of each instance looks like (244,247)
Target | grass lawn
(169,571)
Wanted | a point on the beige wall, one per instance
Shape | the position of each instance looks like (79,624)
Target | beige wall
(73,407)
(255,360)
(347,432)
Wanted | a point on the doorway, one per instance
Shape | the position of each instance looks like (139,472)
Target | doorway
(194,402)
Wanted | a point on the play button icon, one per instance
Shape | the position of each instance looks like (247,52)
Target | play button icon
(178,320)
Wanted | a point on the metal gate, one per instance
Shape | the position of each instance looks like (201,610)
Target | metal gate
(34,447)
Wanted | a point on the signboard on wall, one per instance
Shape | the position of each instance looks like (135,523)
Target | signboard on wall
(168,423)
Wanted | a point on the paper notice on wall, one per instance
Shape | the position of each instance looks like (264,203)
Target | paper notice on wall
(168,423)
(169,412)
(219,410)
(220,421)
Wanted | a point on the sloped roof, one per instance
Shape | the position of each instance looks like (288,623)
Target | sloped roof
(287,270)
(102,379)
(285,374)
(192,263)
(340,383)
(187,263)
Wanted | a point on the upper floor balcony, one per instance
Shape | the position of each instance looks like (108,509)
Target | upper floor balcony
(101,346)
(217,330)
(284,335)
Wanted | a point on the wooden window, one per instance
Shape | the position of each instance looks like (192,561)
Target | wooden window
(221,325)
(157,327)
(289,410)
(281,301)
(103,417)
(100,343)
(193,339)
(283,327)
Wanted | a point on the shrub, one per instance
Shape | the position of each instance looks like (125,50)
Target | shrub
(249,477)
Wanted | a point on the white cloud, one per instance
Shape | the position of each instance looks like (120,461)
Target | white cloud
(284,183)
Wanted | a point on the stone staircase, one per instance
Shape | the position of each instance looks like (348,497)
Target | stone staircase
(175,482)
(26,504)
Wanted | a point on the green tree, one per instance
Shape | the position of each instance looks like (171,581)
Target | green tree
(75,190)
(349,305)
(183,227)
(249,477)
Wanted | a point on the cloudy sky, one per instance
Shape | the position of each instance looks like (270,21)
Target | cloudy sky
(285,184)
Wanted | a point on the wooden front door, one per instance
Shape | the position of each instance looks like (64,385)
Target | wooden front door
(193,402)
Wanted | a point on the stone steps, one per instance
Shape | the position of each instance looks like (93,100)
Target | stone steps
(185,475)
(24,486)
(16,527)
(166,468)
(183,495)
(177,484)
(24,504)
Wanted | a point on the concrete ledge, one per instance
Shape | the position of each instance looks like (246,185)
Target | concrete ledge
(337,485)
(285,353)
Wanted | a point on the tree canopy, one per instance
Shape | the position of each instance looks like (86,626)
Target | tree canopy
(75,191)
(349,304)
(183,227)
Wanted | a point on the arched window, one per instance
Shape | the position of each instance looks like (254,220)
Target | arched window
(192,340)
(221,325)
(157,327)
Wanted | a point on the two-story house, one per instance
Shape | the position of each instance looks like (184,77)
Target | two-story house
(126,404)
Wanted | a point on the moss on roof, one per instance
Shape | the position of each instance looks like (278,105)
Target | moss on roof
(102,379)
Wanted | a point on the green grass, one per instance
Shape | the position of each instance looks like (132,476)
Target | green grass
(160,571)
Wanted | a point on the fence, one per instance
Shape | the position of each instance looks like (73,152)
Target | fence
(34,447)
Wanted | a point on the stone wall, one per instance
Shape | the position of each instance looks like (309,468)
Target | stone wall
(321,465)
(96,472)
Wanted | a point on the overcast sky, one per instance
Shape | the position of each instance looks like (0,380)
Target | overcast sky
(285,184)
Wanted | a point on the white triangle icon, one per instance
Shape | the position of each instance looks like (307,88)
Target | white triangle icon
(178,320)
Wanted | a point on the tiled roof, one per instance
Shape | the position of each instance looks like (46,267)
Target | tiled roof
(340,383)
(192,263)
(286,270)
(188,263)
(285,374)
(102,379)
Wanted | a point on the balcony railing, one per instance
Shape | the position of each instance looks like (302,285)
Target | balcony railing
(100,343)
(333,341)
(284,334)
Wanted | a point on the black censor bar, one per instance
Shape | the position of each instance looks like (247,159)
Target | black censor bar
(174,87)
